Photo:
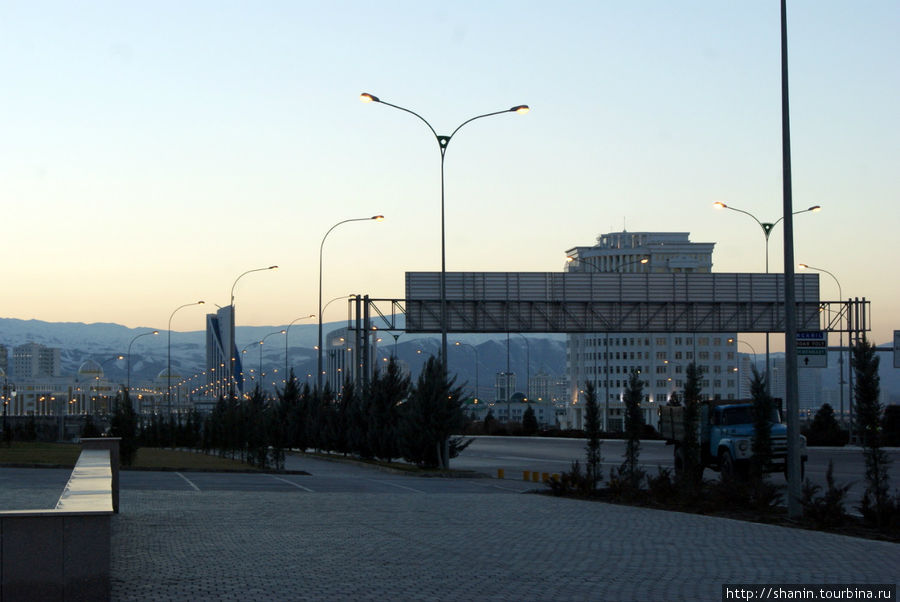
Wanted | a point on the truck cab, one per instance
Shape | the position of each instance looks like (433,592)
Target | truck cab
(725,433)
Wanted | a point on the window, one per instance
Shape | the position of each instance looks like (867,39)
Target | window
(717,341)
(660,341)
(704,355)
(689,355)
(660,355)
(677,355)
(703,341)
(678,340)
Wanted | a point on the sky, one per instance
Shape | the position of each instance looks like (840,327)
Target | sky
(151,152)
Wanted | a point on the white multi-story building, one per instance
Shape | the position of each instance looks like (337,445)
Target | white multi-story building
(33,360)
(607,359)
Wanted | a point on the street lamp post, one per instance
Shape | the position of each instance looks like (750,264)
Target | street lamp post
(115,358)
(169,355)
(261,343)
(840,335)
(527,362)
(443,143)
(376,218)
(475,350)
(286,331)
(751,349)
(233,347)
(128,379)
(766,226)
(767,230)
(244,363)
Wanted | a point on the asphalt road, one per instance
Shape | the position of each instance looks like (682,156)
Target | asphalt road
(485,455)
(517,454)
(40,488)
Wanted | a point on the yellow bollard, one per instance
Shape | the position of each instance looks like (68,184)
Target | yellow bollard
(525,475)
(535,476)
(555,476)
(499,473)
(545,477)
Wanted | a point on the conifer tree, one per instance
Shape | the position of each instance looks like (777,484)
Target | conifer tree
(877,506)
(634,422)
(592,428)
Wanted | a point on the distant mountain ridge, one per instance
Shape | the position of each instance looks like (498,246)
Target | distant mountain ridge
(102,342)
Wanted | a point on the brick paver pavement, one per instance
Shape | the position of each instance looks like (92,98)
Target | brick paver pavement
(349,546)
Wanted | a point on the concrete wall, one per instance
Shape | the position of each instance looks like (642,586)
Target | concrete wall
(64,553)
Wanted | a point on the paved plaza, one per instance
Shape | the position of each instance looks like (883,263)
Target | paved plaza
(413,538)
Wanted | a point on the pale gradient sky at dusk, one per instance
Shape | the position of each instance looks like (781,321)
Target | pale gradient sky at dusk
(152,152)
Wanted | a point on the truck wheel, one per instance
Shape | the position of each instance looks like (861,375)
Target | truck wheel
(726,464)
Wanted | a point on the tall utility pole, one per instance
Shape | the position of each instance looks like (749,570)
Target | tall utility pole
(792,390)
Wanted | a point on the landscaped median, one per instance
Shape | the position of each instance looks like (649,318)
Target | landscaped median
(64,455)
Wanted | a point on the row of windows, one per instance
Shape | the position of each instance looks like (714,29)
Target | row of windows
(660,355)
(716,383)
(660,341)
(660,395)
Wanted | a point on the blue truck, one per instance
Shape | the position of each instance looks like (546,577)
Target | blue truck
(725,433)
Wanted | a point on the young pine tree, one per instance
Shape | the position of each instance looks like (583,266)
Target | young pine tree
(430,415)
(592,426)
(762,426)
(634,422)
(691,467)
(878,507)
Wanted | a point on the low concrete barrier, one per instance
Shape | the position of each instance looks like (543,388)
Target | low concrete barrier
(64,553)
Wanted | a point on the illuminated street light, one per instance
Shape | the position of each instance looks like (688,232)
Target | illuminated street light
(169,355)
(377,218)
(128,379)
(443,143)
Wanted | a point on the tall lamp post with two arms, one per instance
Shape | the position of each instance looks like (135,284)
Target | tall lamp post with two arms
(443,143)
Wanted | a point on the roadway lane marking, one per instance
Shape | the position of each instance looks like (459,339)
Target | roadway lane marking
(297,485)
(188,481)
(395,485)
(534,459)
(492,486)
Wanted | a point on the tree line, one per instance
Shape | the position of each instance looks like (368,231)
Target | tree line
(388,419)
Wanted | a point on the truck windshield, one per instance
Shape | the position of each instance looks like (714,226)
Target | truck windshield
(744,415)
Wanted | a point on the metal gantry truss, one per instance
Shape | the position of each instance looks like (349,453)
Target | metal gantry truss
(533,302)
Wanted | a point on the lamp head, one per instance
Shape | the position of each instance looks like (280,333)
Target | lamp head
(155,332)
(378,218)
(272,267)
(520,109)
(569,258)
(200,302)
(803,266)
(645,260)
(366,97)
(815,208)
(720,205)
